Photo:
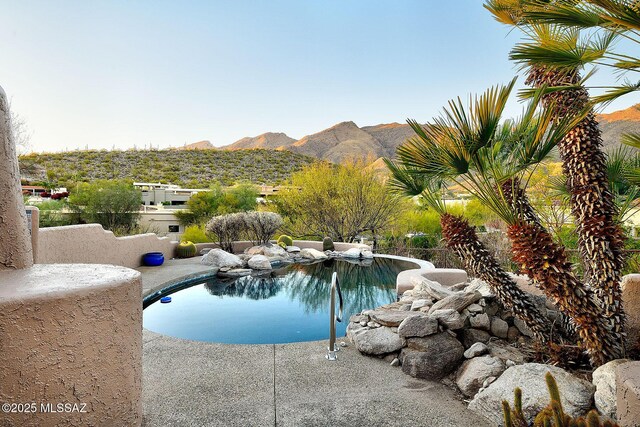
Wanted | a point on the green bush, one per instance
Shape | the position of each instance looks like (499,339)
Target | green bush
(196,234)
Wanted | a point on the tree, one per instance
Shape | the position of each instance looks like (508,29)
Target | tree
(553,57)
(206,204)
(469,147)
(337,201)
(113,204)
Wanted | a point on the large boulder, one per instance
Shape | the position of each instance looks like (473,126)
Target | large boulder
(576,394)
(376,341)
(434,289)
(481,286)
(314,254)
(218,258)
(604,379)
(473,373)
(359,253)
(431,357)
(471,336)
(269,250)
(259,262)
(458,301)
(391,318)
(417,326)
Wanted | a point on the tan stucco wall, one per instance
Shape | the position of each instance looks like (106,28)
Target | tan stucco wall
(71,334)
(628,394)
(91,244)
(15,241)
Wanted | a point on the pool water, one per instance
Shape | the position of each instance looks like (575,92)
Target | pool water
(289,304)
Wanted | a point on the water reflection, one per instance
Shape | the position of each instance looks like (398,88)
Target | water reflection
(365,284)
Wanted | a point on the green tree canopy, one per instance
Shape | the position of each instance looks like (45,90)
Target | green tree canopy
(114,204)
(337,201)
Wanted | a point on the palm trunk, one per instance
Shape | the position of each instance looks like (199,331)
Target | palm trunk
(600,237)
(545,262)
(462,238)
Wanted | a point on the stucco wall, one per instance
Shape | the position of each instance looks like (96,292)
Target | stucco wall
(91,244)
(71,334)
(628,394)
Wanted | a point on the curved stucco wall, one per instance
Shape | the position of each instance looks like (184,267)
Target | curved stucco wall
(240,245)
(91,244)
(71,334)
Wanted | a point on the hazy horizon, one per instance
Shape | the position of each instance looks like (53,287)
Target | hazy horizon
(119,74)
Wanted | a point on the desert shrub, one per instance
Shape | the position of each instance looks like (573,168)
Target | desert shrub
(227,229)
(196,234)
(260,226)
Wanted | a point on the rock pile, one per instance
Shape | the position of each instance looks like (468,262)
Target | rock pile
(435,331)
(260,259)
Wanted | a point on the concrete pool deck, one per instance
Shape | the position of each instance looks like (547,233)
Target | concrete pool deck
(193,383)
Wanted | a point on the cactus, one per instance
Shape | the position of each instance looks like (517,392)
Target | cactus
(552,415)
(283,245)
(186,250)
(287,240)
(327,244)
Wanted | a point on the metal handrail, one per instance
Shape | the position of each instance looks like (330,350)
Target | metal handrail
(335,287)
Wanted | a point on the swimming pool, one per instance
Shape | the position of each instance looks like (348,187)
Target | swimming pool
(289,304)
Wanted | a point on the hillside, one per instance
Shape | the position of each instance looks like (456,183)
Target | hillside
(613,125)
(269,141)
(390,135)
(188,168)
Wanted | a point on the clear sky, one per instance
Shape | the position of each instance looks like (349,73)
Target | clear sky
(118,73)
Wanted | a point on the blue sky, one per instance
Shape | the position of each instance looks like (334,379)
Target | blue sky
(114,73)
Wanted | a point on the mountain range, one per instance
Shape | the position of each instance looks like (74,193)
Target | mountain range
(346,140)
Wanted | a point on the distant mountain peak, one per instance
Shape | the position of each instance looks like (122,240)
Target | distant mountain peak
(200,145)
(267,140)
(629,114)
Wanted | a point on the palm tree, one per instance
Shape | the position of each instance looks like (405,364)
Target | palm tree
(469,147)
(553,56)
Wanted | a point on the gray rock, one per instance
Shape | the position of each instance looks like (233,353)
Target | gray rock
(449,318)
(218,258)
(405,307)
(473,373)
(431,357)
(480,321)
(457,302)
(419,303)
(391,317)
(431,288)
(293,249)
(477,349)
(475,308)
(376,341)
(417,326)
(504,351)
(395,362)
(373,324)
(259,262)
(522,327)
(488,381)
(604,379)
(480,286)
(309,253)
(358,253)
(576,394)
(472,336)
(499,327)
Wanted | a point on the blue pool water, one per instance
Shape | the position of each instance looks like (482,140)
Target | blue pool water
(290,304)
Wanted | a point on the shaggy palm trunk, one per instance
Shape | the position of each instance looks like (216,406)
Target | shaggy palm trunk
(462,238)
(600,237)
(546,263)
(517,198)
